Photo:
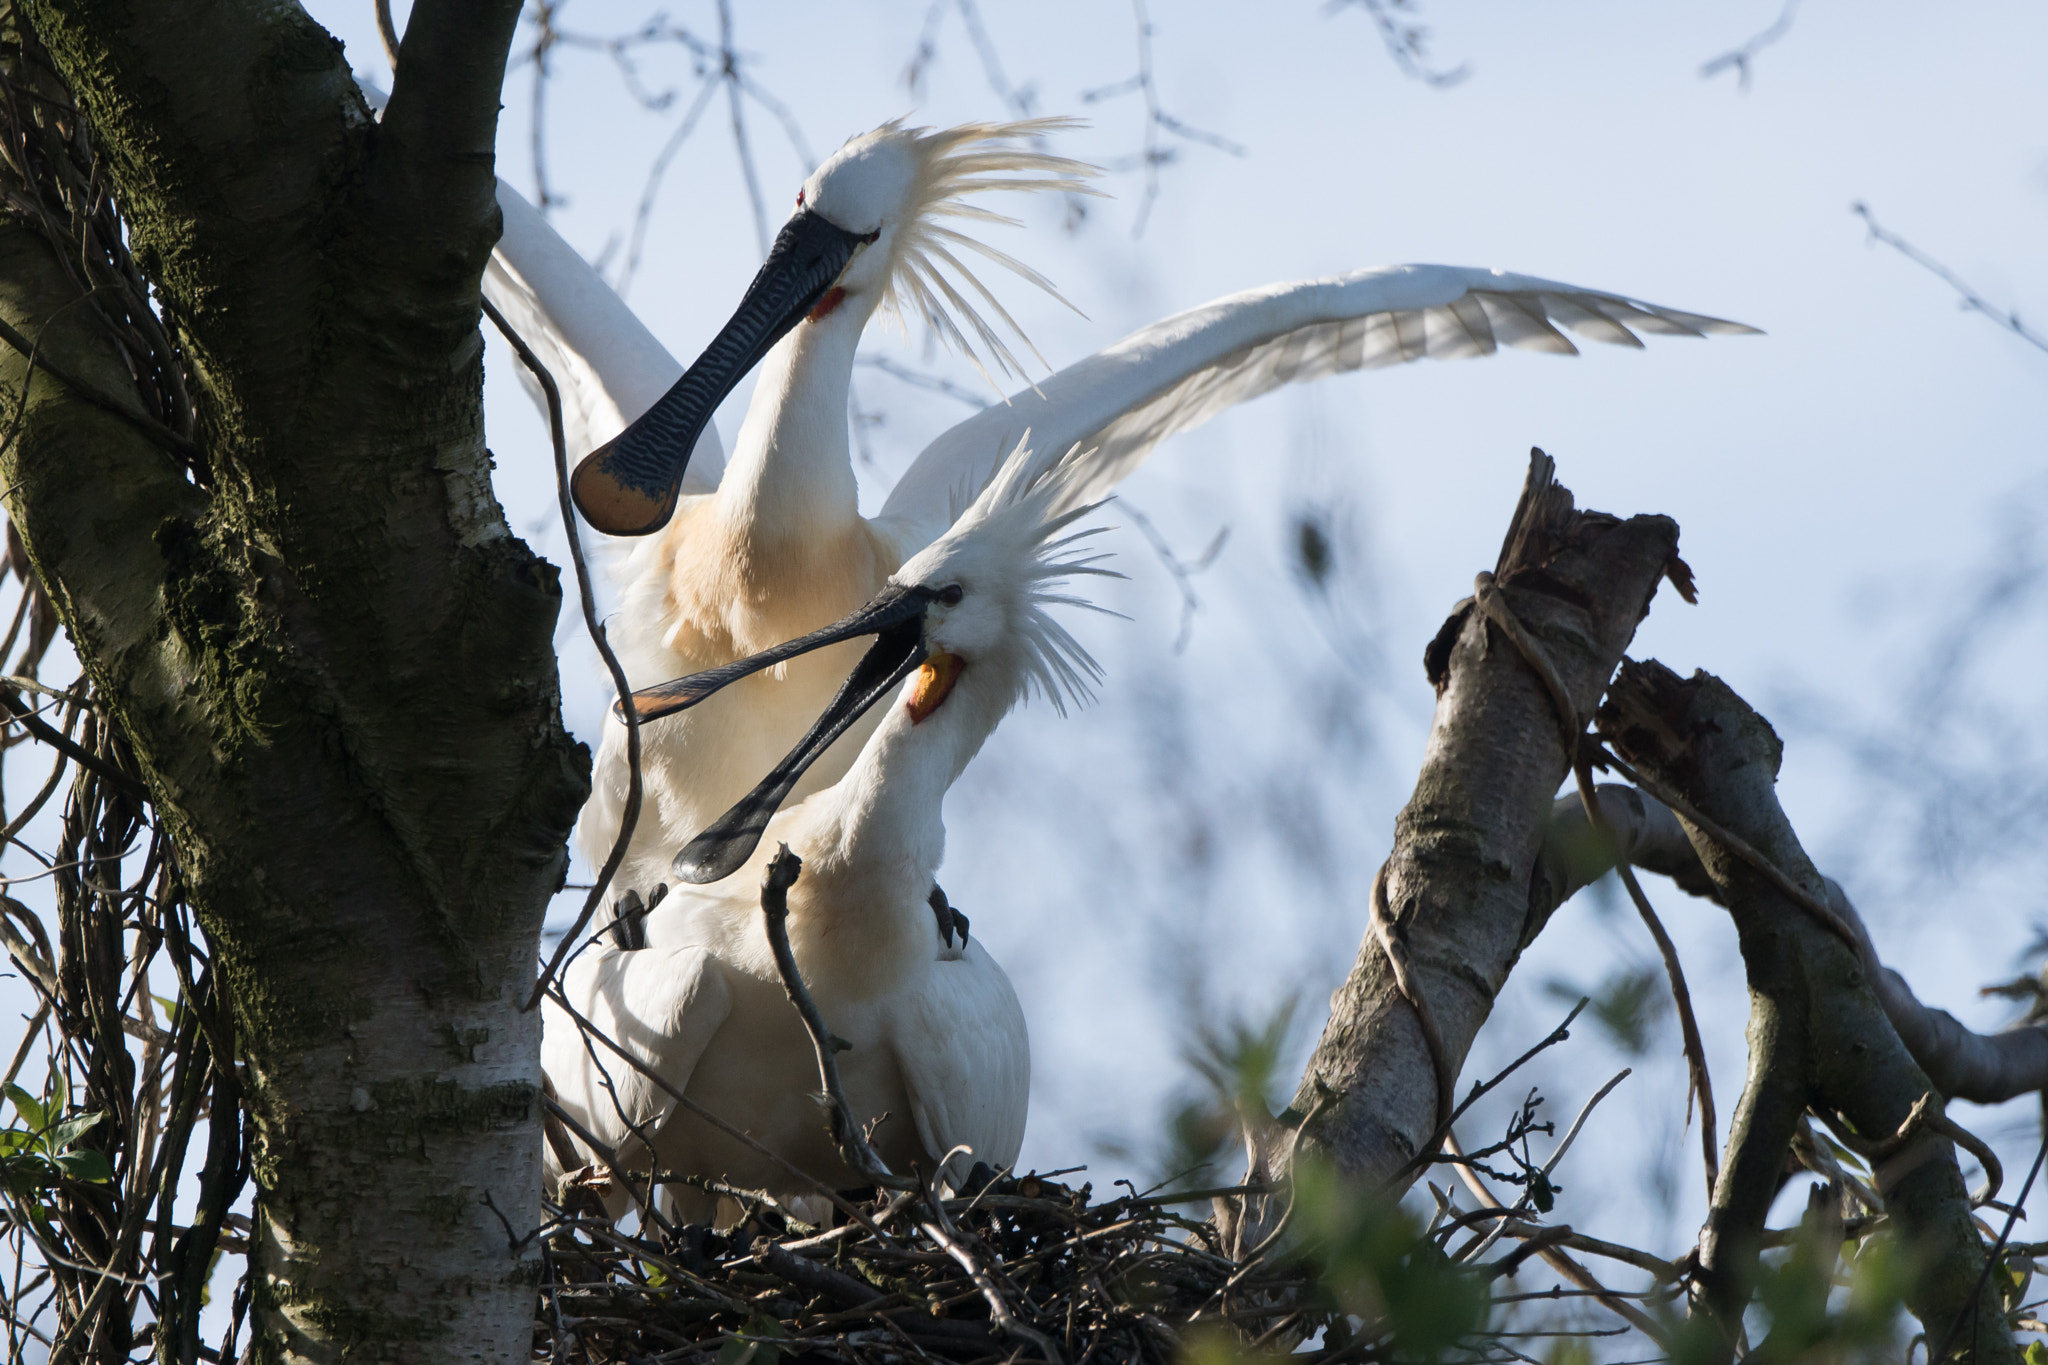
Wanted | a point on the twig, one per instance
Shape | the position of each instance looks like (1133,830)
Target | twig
(1153,156)
(783,870)
(588,598)
(1407,44)
(387,34)
(1570,1268)
(739,1135)
(1688,1025)
(1423,1152)
(1006,1322)
(729,70)
(1543,1173)
(1991,1258)
(1740,847)
(1972,301)
(1183,572)
(1741,57)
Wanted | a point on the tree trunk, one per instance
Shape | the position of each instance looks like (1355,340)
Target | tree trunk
(333,661)
(1462,880)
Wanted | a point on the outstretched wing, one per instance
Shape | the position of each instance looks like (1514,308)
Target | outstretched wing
(608,366)
(966,1062)
(661,1005)
(1183,370)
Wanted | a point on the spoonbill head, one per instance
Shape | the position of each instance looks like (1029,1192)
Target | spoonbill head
(963,633)
(967,615)
(868,231)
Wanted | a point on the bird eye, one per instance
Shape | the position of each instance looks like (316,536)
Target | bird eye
(799,198)
(951,594)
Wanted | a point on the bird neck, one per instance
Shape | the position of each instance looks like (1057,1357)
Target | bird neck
(791,475)
(887,810)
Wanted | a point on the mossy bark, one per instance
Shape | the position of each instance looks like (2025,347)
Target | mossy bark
(335,663)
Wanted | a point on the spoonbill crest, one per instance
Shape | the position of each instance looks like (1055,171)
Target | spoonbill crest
(781,548)
(939,1042)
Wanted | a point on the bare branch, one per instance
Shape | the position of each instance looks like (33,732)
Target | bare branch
(1741,57)
(1972,301)
(1820,1039)
(1407,43)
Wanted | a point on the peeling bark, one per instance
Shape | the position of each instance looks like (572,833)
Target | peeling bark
(1818,1036)
(1463,874)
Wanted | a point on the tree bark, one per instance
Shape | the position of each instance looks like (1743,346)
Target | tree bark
(1462,878)
(334,663)
(1819,1037)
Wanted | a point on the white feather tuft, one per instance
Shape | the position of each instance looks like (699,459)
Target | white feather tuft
(952,163)
(1009,541)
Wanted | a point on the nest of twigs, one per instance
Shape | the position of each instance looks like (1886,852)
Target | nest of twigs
(1026,1268)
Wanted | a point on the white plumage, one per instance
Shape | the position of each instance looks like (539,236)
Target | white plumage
(939,1041)
(781,549)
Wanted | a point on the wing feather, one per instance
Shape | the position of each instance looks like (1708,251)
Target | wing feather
(966,1062)
(1183,370)
(660,1004)
(608,366)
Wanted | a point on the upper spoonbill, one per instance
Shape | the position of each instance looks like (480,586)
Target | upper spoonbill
(939,1042)
(782,547)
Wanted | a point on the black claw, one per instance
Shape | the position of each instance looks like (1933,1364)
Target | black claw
(951,921)
(628,928)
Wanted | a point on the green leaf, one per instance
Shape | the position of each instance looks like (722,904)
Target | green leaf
(61,1137)
(28,1106)
(2037,1353)
(86,1165)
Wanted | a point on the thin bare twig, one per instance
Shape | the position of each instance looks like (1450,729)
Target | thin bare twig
(1972,301)
(1155,153)
(782,873)
(588,598)
(1182,571)
(1741,57)
(1406,43)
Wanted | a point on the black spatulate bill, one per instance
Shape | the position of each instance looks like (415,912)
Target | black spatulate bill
(892,606)
(724,847)
(628,485)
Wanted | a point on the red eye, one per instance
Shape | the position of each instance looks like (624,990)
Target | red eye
(799,198)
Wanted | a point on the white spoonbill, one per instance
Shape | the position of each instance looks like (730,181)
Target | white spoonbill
(939,1041)
(782,547)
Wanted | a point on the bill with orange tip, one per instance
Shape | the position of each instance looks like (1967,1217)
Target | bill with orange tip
(628,486)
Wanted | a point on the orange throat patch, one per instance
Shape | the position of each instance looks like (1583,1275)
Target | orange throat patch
(935,681)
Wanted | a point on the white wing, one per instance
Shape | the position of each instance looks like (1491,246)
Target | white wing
(966,1061)
(608,366)
(660,1004)
(1183,370)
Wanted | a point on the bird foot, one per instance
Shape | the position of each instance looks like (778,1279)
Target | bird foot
(950,921)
